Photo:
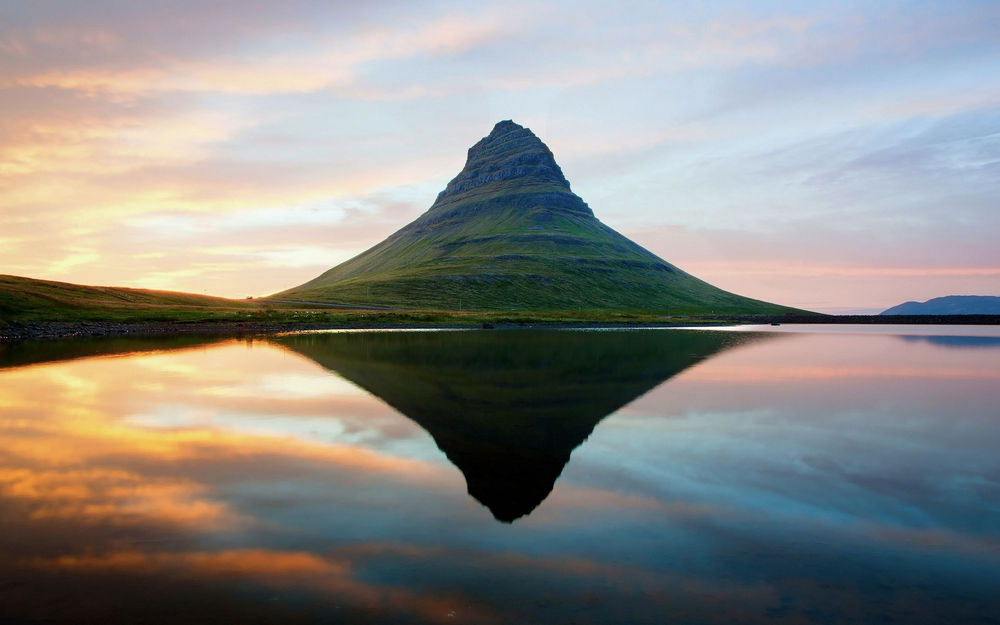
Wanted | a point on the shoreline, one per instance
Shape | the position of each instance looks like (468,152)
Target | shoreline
(53,330)
(47,331)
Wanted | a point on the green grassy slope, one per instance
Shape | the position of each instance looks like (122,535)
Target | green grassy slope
(27,299)
(509,234)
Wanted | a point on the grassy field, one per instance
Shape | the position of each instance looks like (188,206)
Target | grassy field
(25,300)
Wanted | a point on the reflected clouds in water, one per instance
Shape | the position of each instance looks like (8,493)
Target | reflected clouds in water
(320,477)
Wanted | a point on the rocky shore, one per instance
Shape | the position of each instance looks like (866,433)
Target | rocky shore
(28,331)
(58,330)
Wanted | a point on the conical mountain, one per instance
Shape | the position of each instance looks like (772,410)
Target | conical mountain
(508,408)
(508,233)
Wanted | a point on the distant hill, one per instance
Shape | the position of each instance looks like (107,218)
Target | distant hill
(507,233)
(950,305)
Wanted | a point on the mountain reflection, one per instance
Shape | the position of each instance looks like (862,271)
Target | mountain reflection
(954,342)
(36,352)
(508,408)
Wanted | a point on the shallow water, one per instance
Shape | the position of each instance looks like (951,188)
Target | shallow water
(767,475)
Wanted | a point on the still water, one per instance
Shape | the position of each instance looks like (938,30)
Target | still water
(769,475)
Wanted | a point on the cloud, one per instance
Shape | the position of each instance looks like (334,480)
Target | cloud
(253,54)
(114,496)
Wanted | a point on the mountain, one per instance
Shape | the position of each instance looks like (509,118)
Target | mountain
(950,305)
(508,408)
(507,233)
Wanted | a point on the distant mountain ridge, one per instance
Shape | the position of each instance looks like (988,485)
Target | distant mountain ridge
(949,305)
(508,233)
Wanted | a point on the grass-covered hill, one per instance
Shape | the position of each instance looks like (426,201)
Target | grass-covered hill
(507,233)
(26,302)
(27,299)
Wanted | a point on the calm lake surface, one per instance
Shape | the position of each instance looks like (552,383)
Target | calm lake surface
(756,475)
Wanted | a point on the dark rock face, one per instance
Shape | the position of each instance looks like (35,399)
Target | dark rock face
(509,151)
(508,169)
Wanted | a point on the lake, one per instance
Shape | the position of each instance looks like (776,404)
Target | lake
(793,474)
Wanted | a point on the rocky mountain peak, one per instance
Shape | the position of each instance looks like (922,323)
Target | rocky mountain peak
(509,152)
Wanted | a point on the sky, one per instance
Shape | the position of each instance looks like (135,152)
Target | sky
(840,157)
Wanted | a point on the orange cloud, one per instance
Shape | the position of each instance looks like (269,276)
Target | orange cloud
(243,562)
(77,444)
(114,496)
(265,72)
(323,576)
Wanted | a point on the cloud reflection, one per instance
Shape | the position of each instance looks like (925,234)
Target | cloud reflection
(184,484)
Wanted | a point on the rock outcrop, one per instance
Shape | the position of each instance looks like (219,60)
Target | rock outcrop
(509,151)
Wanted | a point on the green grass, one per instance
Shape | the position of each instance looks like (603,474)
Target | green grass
(24,300)
(512,259)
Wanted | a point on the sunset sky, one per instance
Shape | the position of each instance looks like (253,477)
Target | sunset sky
(841,157)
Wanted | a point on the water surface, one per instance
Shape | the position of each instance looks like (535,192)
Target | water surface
(641,476)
